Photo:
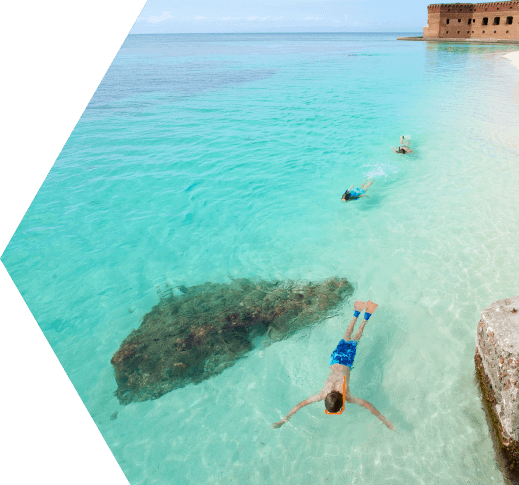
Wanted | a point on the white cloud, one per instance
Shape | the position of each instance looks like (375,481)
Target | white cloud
(153,19)
(200,17)
(311,18)
(224,18)
(252,18)
(265,18)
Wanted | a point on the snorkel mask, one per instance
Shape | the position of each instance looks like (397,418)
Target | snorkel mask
(343,398)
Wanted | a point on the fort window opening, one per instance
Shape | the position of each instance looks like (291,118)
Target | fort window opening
(485,21)
(496,21)
(458,31)
(448,20)
(470,21)
(509,20)
(459,20)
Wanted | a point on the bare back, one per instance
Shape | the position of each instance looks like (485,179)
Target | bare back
(335,379)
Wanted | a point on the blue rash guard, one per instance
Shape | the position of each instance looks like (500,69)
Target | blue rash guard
(356,193)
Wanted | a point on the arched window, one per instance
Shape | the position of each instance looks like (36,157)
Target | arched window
(496,21)
(485,21)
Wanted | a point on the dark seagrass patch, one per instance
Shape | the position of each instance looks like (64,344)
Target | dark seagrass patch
(190,337)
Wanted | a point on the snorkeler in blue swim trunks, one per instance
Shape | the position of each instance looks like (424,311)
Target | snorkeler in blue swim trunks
(354,193)
(336,391)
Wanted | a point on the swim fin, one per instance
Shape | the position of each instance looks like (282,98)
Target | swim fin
(359,305)
(370,308)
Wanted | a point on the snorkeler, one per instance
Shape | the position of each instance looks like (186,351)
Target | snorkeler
(356,193)
(403,148)
(336,390)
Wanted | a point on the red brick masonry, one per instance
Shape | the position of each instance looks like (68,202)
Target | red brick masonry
(497,20)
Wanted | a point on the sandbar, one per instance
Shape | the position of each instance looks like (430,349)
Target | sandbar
(514,57)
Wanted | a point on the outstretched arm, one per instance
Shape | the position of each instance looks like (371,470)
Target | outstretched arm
(395,150)
(302,404)
(372,409)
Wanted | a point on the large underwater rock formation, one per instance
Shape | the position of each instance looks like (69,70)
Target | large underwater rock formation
(497,371)
(188,338)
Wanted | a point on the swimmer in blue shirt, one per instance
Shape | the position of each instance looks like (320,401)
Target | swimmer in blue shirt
(336,391)
(354,193)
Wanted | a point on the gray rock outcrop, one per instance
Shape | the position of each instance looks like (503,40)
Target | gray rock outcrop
(497,372)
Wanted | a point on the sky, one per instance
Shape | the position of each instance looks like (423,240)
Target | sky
(201,16)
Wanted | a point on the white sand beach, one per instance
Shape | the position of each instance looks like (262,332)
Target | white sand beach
(514,57)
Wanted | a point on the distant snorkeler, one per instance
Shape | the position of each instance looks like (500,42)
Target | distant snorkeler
(354,193)
(403,148)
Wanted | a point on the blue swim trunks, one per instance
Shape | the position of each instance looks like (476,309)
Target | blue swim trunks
(356,193)
(344,354)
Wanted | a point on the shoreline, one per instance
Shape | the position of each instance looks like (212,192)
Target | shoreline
(513,57)
(453,39)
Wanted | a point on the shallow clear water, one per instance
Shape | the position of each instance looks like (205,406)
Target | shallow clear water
(210,157)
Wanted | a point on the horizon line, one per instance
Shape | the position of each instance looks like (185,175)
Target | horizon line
(255,33)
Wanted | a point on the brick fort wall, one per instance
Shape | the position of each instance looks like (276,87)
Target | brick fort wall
(497,20)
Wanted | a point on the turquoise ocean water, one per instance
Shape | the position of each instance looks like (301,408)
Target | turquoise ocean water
(212,157)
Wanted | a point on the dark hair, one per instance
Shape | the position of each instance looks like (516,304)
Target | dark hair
(346,195)
(401,150)
(334,402)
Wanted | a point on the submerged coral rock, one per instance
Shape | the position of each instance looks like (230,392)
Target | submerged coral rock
(188,338)
(497,371)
